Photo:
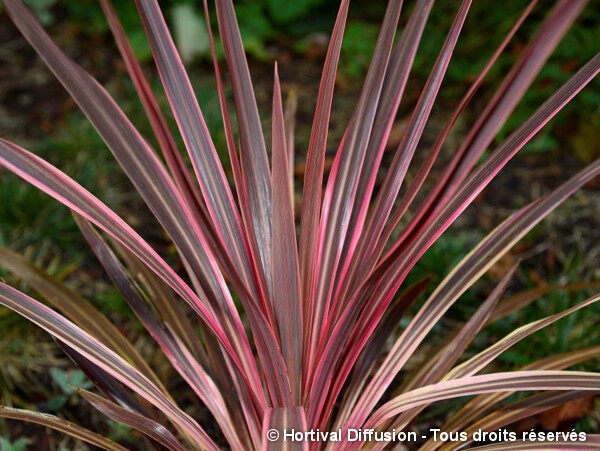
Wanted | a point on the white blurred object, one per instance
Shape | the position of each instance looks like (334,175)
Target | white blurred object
(191,38)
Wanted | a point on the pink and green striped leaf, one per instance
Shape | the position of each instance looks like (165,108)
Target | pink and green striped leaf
(172,346)
(479,405)
(464,275)
(76,308)
(55,183)
(487,383)
(141,423)
(287,296)
(256,209)
(69,428)
(279,421)
(75,337)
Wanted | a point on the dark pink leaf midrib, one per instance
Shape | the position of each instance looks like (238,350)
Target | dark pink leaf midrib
(369,354)
(427,165)
(411,139)
(483,175)
(515,381)
(286,273)
(393,89)
(210,174)
(144,424)
(457,345)
(399,166)
(173,348)
(313,179)
(152,182)
(165,139)
(351,155)
(502,236)
(498,109)
(254,162)
(49,179)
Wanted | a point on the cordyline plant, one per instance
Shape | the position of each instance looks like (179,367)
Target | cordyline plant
(302,346)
